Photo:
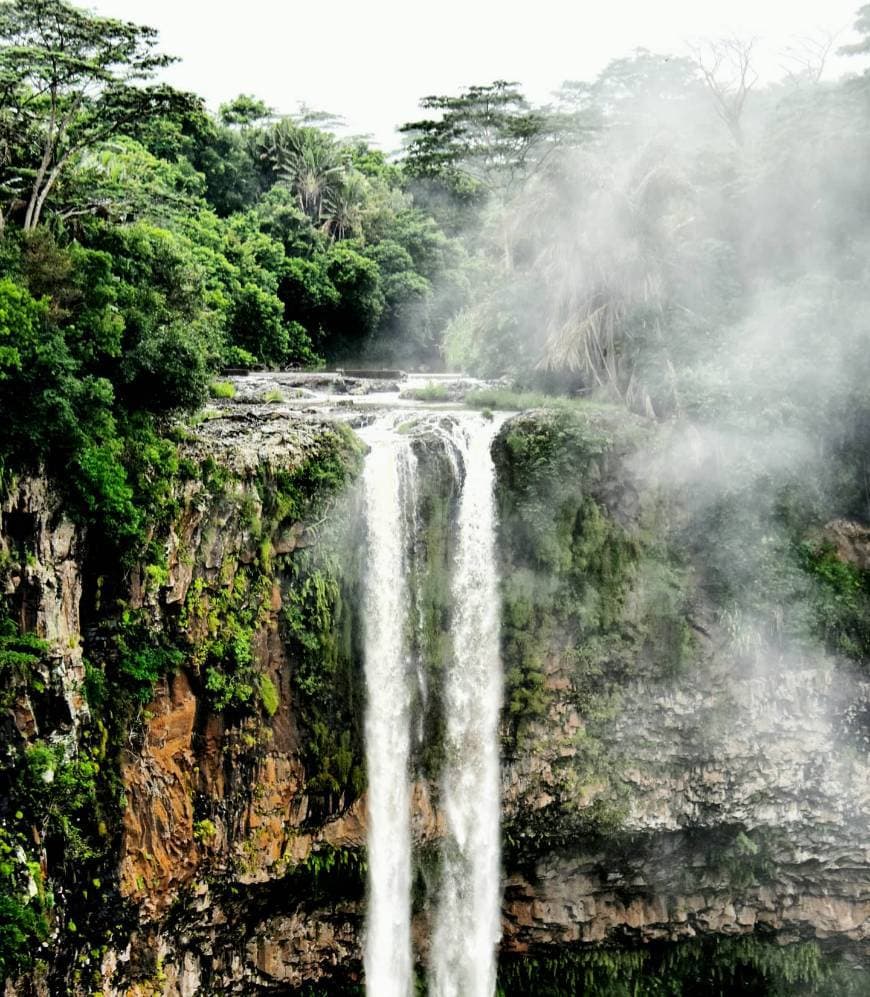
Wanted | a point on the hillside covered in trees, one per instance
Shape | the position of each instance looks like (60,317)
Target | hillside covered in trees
(633,238)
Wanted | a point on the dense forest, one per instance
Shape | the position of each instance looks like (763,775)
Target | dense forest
(666,235)
(674,238)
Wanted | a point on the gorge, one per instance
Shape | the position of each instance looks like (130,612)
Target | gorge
(441,569)
(671,794)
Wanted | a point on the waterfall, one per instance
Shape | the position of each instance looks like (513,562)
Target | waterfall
(388,966)
(466,920)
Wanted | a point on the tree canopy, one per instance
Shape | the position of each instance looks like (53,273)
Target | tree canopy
(69,80)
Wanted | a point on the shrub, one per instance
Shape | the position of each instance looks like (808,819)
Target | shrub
(222,389)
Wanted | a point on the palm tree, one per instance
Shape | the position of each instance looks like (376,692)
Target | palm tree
(614,272)
(310,161)
(342,206)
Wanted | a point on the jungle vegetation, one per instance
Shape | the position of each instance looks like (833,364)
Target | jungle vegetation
(674,238)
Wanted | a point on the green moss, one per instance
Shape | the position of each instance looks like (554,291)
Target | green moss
(838,600)
(307,490)
(511,400)
(204,831)
(219,623)
(268,695)
(318,622)
(214,476)
(429,620)
(591,595)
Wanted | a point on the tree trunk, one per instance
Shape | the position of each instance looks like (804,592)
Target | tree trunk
(48,185)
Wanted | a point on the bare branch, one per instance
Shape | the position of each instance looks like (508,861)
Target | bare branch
(809,54)
(729,75)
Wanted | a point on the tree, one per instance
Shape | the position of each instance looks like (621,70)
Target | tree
(862,26)
(244,111)
(342,207)
(487,141)
(310,162)
(629,87)
(808,55)
(487,134)
(70,80)
(726,65)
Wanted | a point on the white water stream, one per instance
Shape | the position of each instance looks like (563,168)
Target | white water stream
(388,965)
(466,918)
(464,909)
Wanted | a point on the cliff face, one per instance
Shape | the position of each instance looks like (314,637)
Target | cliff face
(662,780)
(675,776)
(42,552)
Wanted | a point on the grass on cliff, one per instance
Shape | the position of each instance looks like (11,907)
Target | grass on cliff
(510,400)
(222,389)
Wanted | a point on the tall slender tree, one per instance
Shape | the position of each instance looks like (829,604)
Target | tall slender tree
(69,80)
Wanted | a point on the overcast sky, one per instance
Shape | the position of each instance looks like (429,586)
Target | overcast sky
(371,60)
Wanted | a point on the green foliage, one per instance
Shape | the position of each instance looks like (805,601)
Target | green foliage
(486,137)
(96,688)
(21,321)
(747,965)
(839,601)
(222,389)
(428,393)
(19,652)
(58,794)
(329,872)
(104,493)
(23,904)
(23,656)
(312,486)
(143,656)
(204,831)
(269,696)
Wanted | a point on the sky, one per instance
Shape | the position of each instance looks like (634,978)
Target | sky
(371,61)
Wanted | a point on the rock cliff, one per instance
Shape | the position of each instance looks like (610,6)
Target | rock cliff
(662,780)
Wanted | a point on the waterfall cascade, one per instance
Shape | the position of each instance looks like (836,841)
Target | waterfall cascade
(388,948)
(466,917)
